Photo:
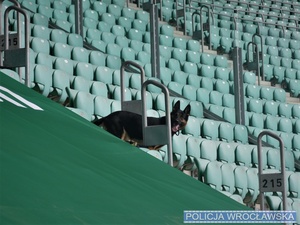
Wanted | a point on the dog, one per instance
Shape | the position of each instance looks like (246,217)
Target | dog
(128,125)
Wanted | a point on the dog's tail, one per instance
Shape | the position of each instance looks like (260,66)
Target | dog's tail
(98,122)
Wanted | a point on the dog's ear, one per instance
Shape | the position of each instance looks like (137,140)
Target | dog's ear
(176,107)
(187,109)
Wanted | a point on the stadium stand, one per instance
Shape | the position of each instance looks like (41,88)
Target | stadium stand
(83,72)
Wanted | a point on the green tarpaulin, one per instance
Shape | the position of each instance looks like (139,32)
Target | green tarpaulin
(57,168)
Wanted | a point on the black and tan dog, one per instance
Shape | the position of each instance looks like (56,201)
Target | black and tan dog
(128,126)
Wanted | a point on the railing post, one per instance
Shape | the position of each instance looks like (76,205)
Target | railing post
(275,181)
(158,134)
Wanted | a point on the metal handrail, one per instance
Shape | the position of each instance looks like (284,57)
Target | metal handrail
(146,128)
(26,33)
(280,175)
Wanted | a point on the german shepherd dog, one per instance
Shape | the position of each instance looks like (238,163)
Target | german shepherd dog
(128,126)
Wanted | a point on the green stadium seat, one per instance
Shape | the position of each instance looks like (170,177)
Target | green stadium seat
(99,7)
(45,10)
(113,62)
(266,93)
(104,27)
(176,87)
(102,106)
(203,95)
(226,132)
(179,150)
(189,67)
(207,83)
(270,108)
(213,175)
(255,105)
(180,43)
(97,58)
(294,87)
(228,100)
(229,114)
(222,73)
(216,109)
(257,120)
(215,98)
(240,134)
(241,184)
(43,78)
(193,45)
(285,125)
(189,92)
(40,45)
(62,50)
(294,187)
(209,129)
(193,127)
(65,65)
(179,54)
(192,56)
(285,110)
(81,84)
(296,111)
(271,122)
(142,15)
(99,88)
(103,74)
(253,187)
(279,95)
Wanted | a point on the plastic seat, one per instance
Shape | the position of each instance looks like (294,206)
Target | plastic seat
(179,54)
(285,125)
(57,35)
(103,74)
(279,95)
(113,62)
(75,40)
(192,56)
(296,111)
(228,182)
(108,18)
(243,155)
(166,40)
(189,92)
(97,58)
(40,45)
(209,129)
(241,184)
(207,59)
(226,132)
(99,88)
(128,13)
(285,110)
(179,43)
(125,23)
(174,64)
(193,127)
(45,59)
(213,175)
(222,86)
(207,71)
(271,123)
(176,87)
(62,50)
(99,7)
(255,105)
(43,78)
(203,95)
(253,187)
(80,54)
(193,45)
(294,87)
(118,30)
(222,73)
(45,10)
(240,134)
(189,67)
(273,159)
(85,101)
(216,109)
(257,120)
(104,27)
(63,64)
(134,34)
(228,100)
(128,53)
(81,84)
(271,108)
(266,93)
(136,45)
(85,70)
(142,15)
(296,64)
(115,10)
